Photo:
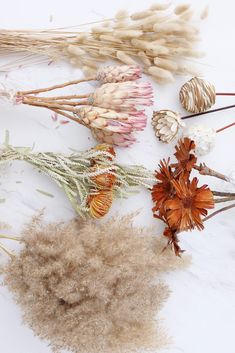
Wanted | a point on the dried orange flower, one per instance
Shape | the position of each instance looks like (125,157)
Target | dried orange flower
(100,203)
(106,148)
(186,159)
(163,189)
(173,240)
(105,180)
(184,211)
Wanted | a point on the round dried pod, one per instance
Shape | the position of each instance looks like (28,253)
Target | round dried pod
(166,124)
(99,203)
(203,136)
(197,95)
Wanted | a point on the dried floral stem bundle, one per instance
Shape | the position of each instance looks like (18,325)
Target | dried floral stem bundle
(111,111)
(92,288)
(161,39)
(178,200)
(90,179)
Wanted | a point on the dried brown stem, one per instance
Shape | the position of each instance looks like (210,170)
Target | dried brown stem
(225,199)
(55,105)
(221,193)
(219,211)
(225,94)
(225,127)
(204,170)
(74,82)
(73,96)
(208,112)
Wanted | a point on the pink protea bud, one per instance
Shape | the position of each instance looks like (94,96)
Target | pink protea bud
(121,73)
(112,127)
(112,138)
(122,96)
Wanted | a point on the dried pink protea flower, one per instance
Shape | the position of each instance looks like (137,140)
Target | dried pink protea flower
(123,96)
(113,127)
(110,74)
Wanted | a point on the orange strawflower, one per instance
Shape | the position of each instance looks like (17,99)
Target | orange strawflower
(163,189)
(185,210)
(105,180)
(186,159)
(100,203)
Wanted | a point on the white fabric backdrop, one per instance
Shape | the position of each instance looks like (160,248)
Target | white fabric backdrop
(200,314)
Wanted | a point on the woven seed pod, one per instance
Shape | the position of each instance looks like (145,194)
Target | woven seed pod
(166,124)
(197,95)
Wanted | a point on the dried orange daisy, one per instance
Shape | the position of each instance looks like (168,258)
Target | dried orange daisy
(100,203)
(185,210)
(163,189)
(186,159)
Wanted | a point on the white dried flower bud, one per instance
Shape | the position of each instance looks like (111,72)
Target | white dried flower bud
(141,15)
(181,8)
(160,7)
(166,124)
(205,13)
(75,50)
(127,33)
(203,136)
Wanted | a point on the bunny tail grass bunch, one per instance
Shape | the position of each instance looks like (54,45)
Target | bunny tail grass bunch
(91,288)
(90,179)
(161,39)
(111,111)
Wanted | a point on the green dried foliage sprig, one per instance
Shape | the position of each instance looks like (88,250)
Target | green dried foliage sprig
(90,179)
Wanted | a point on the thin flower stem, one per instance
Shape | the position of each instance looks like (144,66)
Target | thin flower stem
(225,94)
(225,127)
(3,236)
(221,193)
(225,199)
(52,105)
(218,211)
(8,252)
(204,170)
(208,112)
(74,82)
(73,96)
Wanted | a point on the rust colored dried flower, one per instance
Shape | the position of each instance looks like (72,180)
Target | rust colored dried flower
(99,203)
(105,180)
(163,189)
(185,210)
(92,288)
(186,159)
(173,240)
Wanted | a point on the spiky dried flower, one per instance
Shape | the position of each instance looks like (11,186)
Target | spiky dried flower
(163,190)
(113,108)
(166,124)
(122,73)
(185,156)
(92,288)
(123,96)
(185,210)
(117,125)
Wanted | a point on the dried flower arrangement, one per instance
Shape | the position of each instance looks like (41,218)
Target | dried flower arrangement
(167,124)
(178,200)
(92,288)
(161,39)
(111,111)
(90,179)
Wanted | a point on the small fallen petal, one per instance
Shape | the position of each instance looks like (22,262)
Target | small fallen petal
(45,193)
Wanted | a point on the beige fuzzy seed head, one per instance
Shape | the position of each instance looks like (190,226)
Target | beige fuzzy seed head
(197,95)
